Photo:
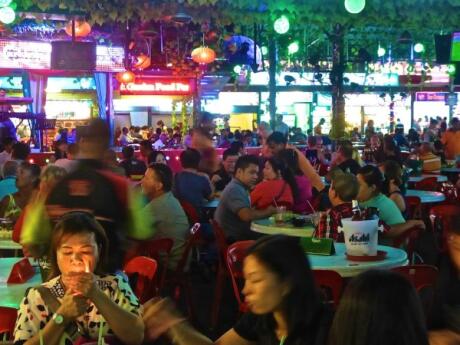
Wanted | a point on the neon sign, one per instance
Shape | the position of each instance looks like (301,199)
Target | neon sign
(37,55)
(430,96)
(158,86)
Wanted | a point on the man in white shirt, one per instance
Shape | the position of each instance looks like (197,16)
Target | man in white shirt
(281,126)
(69,163)
(5,155)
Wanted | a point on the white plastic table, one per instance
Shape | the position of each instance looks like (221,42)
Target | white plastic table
(441,178)
(346,268)
(426,197)
(11,294)
(269,227)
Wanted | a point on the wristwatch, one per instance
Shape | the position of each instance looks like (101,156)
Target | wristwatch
(58,319)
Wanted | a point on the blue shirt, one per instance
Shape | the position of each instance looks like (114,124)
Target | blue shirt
(7,186)
(192,187)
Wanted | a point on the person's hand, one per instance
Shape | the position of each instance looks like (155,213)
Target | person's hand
(271,209)
(215,179)
(159,315)
(81,283)
(72,306)
(418,223)
(443,337)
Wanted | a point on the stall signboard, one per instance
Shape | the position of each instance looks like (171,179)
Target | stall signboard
(430,96)
(37,56)
(157,85)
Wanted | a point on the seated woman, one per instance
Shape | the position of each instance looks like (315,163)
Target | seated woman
(278,187)
(379,307)
(27,183)
(284,305)
(370,195)
(392,184)
(304,187)
(79,298)
(157,157)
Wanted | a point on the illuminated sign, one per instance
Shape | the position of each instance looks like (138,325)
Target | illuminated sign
(430,96)
(37,55)
(158,86)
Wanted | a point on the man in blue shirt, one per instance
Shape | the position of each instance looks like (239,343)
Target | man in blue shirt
(8,184)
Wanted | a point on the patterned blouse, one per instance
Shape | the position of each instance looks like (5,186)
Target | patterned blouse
(33,314)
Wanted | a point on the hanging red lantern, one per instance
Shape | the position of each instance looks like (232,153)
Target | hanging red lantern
(82,28)
(203,55)
(126,77)
(142,61)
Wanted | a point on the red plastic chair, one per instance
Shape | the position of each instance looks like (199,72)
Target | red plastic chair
(441,217)
(427,184)
(330,283)
(413,207)
(423,278)
(179,280)
(190,211)
(222,270)
(235,256)
(145,269)
(407,240)
(7,321)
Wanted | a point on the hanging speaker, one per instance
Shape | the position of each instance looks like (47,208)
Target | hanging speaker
(442,45)
(73,55)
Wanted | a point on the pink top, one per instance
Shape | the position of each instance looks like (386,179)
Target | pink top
(305,193)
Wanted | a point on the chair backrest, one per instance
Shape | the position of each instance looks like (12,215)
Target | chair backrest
(145,269)
(192,241)
(7,321)
(413,207)
(428,184)
(330,283)
(158,249)
(442,215)
(190,211)
(221,242)
(236,253)
(421,276)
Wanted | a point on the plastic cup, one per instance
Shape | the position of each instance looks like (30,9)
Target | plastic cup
(279,215)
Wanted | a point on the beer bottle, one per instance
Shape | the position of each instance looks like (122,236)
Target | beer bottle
(356,211)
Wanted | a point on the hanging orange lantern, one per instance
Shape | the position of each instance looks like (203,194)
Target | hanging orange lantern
(203,55)
(82,28)
(143,61)
(126,77)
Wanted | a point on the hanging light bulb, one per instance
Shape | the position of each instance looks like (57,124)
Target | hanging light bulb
(4,3)
(7,15)
(126,77)
(281,25)
(419,48)
(381,52)
(355,6)
(293,48)
(82,28)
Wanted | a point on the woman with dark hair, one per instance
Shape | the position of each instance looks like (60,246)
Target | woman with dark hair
(278,187)
(391,151)
(27,183)
(393,183)
(79,300)
(284,305)
(304,187)
(371,184)
(379,308)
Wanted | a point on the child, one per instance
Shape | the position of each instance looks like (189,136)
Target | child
(344,188)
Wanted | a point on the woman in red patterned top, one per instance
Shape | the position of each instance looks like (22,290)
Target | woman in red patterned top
(277,188)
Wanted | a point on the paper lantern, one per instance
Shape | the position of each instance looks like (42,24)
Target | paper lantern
(142,61)
(281,25)
(355,6)
(126,77)
(4,3)
(203,55)
(82,28)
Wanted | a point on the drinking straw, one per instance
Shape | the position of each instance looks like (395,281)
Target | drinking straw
(276,205)
(100,338)
(311,206)
(40,336)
